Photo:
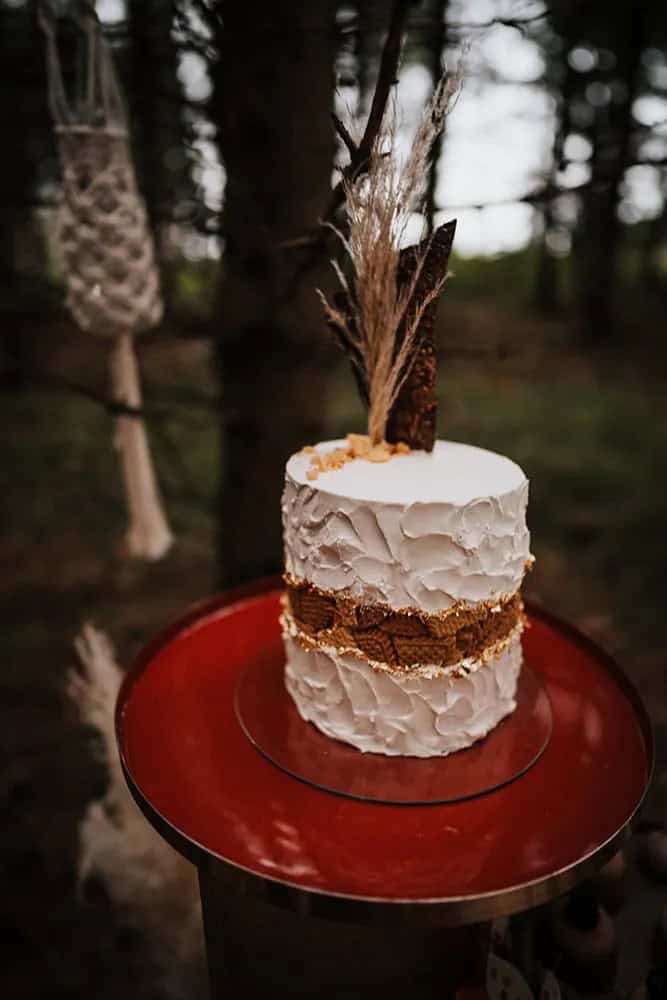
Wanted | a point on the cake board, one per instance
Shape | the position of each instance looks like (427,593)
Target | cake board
(312,893)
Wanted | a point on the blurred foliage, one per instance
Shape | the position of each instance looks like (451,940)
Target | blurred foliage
(592,446)
(553,355)
(604,68)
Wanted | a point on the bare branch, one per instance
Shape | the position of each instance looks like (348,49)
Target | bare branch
(387,74)
(114,407)
(345,135)
(391,54)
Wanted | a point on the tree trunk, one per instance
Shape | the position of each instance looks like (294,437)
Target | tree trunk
(651,276)
(155,100)
(273,92)
(547,291)
(437,42)
(600,244)
(611,157)
(29,158)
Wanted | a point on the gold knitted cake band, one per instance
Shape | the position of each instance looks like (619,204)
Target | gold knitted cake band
(401,639)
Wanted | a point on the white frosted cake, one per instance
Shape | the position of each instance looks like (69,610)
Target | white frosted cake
(402,616)
(404,555)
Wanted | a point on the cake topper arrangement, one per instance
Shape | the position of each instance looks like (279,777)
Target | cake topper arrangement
(383,315)
(402,614)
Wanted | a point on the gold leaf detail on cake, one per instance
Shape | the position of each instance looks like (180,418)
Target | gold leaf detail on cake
(346,613)
(395,638)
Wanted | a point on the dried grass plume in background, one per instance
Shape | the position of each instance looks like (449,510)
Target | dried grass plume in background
(151,887)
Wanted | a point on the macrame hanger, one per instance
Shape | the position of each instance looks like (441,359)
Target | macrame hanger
(57,97)
(92,100)
(109,261)
(104,104)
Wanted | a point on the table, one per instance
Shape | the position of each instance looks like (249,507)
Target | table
(324,895)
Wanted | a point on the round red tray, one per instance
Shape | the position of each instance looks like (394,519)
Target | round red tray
(212,794)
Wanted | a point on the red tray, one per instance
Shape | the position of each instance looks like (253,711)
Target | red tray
(212,794)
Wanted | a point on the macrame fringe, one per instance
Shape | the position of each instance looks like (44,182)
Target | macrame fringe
(148,535)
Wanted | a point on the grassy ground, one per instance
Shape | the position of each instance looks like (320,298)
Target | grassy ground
(593,440)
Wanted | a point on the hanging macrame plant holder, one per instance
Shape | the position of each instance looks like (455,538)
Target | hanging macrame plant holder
(113,287)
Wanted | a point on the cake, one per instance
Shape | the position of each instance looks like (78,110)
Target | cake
(402,616)
(404,556)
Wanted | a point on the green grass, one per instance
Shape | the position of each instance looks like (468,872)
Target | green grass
(60,476)
(56,450)
(507,278)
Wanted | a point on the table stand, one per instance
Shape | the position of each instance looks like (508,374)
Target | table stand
(307,893)
(256,944)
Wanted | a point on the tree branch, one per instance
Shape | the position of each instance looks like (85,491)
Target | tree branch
(359,155)
(113,407)
(387,73)
(344,134)
(391,54)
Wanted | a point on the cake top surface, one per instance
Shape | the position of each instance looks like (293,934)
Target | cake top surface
(452,473)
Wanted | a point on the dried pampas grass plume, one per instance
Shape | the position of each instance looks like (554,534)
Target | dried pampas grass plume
(151,887)
(377,315)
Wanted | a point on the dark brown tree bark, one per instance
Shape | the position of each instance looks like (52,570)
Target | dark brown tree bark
(371,24)
(437,42)
(547,290)
(28,160)
(611,156)
(651,275)
(273,93)
(155,99)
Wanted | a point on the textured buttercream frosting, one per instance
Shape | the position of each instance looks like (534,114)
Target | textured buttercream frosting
(422,530)
(428,534)
(377,711)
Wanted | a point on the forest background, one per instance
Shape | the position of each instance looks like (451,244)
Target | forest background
(551,340)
